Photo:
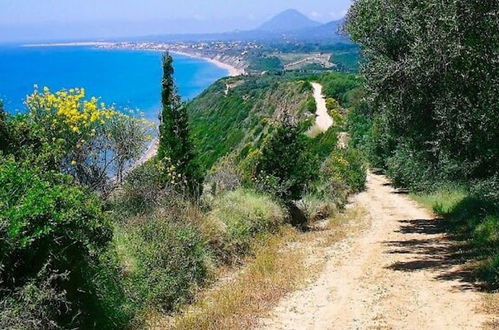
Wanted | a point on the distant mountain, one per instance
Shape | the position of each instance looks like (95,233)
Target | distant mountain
(325,31)
(287,26)
(288,20)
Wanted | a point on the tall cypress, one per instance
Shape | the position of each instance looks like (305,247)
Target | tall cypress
(175,148)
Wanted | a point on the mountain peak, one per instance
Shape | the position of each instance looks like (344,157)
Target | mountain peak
(288,20)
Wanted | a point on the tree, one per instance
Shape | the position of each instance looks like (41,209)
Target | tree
(434,78)
(175,150)
(283,165)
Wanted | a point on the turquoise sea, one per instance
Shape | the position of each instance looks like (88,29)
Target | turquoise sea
(126,78)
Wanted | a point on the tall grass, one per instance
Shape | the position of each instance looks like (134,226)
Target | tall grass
(473,217)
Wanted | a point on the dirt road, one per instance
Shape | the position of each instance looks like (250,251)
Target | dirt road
(401,272)
(323,121)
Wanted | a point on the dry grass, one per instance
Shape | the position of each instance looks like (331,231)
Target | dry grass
(491,307)
(236,303)
(280,263)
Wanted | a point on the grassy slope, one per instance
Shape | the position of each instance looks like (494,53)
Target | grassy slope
(223,123)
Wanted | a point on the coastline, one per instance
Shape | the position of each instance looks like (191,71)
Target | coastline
(152,148)
(231,70)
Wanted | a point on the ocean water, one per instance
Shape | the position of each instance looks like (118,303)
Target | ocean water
(126,78)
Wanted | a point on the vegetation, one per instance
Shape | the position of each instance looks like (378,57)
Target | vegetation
(244,114)
(175,151)
(282,165)
(89,240)
(51,234)
(55,162)
(432,117)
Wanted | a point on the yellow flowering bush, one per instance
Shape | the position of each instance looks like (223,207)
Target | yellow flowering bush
(88,139)
(68,111)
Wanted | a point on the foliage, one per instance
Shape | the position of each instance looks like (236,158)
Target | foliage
(282,166)
(244,114)
(162,260)
(175,151)
(473,217)
(434,78)
(347,166)
(141,192)
(265,63)
(323,144)
(238,216)
(4,138)
(224,176)
(340,86)
(50,236)
(62,131)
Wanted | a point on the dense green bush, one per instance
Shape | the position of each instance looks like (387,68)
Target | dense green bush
(4,138)
(51,234)
(239,215)
(283,165)
(343,172)
(340,86)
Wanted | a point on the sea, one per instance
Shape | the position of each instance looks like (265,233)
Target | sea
(129,79)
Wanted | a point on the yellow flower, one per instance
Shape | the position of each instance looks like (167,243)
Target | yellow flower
(73,162)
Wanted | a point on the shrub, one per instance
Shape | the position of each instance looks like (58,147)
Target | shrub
(324,198)
(346,166)
(162,260)
(141,192)
(4,138)
(224,176)
(282,166)
(65,132)
(51,234)
(238,216)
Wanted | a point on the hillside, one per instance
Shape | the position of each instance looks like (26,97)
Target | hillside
(243,108)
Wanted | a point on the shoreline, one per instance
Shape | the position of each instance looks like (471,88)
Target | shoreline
(232,71)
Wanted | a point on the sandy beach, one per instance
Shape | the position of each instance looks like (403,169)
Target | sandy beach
(232,70)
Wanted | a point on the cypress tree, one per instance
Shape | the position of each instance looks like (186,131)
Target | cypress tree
(175,150)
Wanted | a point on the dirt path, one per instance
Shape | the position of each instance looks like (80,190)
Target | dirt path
(400,273)
(323,121)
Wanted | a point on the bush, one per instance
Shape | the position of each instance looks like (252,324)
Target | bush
(346,166)
(51,234)
(238,216)
(162,259)
(283,166)
(64,132)
(141,192)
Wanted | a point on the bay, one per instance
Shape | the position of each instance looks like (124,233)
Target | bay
(126,78)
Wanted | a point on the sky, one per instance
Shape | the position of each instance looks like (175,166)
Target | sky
(23,20)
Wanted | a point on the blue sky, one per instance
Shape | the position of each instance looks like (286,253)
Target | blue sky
(53,19)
